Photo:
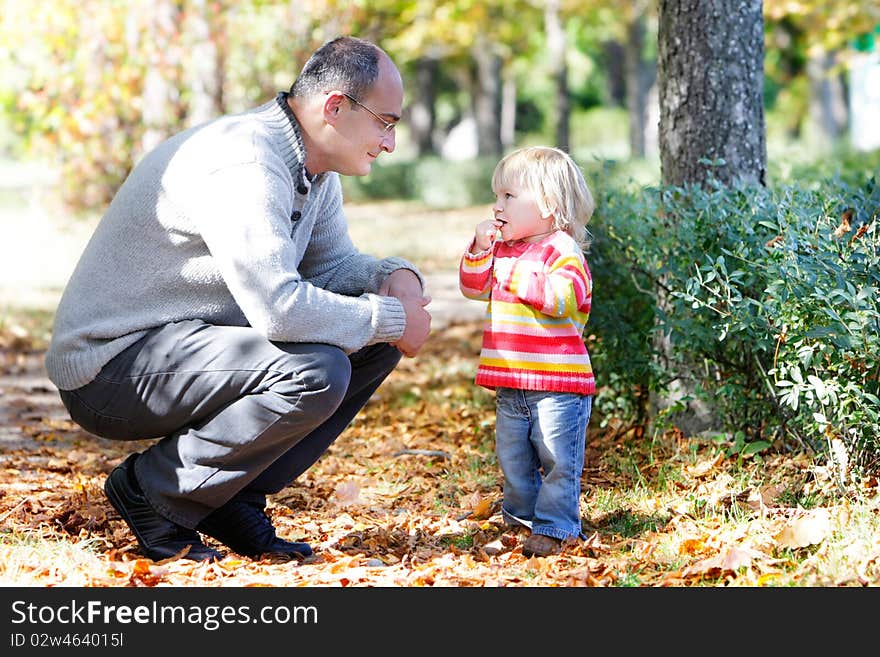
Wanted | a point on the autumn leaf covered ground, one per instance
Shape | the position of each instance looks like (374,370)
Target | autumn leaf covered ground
(409,497)
(409,494)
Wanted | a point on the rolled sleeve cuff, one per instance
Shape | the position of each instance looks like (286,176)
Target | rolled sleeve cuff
(392,264)
(389,318)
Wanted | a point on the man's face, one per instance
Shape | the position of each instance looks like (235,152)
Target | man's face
(367,124)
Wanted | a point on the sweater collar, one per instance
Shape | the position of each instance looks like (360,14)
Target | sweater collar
(282,122)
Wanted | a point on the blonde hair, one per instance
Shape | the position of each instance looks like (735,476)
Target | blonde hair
(556,180)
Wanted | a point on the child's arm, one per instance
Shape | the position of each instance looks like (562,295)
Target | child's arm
(475,269)
(559,289)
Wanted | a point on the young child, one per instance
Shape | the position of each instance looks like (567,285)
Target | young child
(528,264)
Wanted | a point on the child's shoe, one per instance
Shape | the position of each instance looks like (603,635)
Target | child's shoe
(539,545)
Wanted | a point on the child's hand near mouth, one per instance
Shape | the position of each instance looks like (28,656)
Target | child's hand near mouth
(484,234)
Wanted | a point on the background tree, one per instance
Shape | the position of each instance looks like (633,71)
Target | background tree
(808,40)
(210,53)
(640,77)
(89,84)
(710,68)
(556,47)
(474,44)
(161,104)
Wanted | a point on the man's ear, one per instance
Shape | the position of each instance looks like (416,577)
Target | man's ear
(331,106)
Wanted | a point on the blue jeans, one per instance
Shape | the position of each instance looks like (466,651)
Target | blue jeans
(537,430)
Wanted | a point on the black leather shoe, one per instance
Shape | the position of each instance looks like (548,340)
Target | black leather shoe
(242,524)
(158,537)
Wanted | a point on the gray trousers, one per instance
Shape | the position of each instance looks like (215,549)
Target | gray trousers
(236,414)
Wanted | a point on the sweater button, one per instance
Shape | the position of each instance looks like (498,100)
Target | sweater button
(296,215)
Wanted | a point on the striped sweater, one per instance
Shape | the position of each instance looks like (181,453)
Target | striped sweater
(539,297)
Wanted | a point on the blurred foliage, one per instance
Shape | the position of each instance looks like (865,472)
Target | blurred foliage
(830,25)
(74,90)
(444,184)
(80,80)
(843,165)
(434,181)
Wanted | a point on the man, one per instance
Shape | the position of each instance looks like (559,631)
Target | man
(221,307)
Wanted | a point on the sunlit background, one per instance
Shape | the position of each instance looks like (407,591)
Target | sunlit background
(87,85)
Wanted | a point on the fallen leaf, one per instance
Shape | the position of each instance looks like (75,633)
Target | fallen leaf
(736,558)
(691,546)
(806,530)
(348,493)
(482,510)
(845,223)
(703,468)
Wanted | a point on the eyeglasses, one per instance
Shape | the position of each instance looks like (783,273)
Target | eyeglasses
(387,126)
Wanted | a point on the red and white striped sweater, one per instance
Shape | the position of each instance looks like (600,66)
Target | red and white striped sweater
(538,304)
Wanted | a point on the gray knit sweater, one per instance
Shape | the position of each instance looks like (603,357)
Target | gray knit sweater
(220,223)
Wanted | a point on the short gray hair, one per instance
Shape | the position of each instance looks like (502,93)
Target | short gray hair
(346,63)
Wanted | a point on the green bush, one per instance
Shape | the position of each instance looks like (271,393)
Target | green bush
(796,281)
(434,181)
(768,299)
(386,181)
(624,306)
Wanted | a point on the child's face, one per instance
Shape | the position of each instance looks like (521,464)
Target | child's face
(520,215)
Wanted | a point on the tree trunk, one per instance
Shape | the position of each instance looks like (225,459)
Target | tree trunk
(613,55)
(206,61)
(422,111)
(828,109)
(487,97)
(508,112)
(161,98)
(711,73)
(639,77)
(559,72)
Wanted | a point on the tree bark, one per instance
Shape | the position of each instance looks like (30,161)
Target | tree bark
(508,111)
(828,109)
(711,73)
(613,54)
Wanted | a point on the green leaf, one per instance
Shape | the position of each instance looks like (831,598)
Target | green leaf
(755,447)
(820,332)
(818,384)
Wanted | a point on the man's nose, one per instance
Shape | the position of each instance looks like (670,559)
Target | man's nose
(389,141)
